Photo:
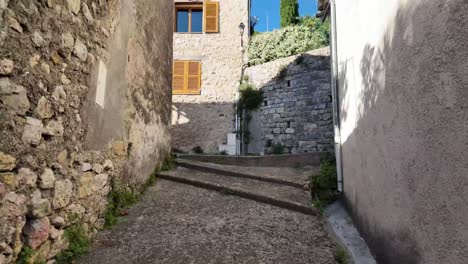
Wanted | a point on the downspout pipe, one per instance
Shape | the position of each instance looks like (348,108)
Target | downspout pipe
(335,94)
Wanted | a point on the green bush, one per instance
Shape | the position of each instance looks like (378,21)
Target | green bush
(326,180)
(341,256)
(285,42)
(324,185)
(278,149)
(198,150)
(79,245)
(289,12)
(316,25)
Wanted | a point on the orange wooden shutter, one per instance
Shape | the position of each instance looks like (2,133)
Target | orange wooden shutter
(193,77)
(211,13)
(178,79)
(186,77)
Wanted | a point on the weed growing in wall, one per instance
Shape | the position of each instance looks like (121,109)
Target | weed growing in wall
(198,150)
(25,255)
(122,197)
(79,244)
(278,148)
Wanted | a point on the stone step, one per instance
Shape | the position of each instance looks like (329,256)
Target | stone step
(280,195)
(286,176)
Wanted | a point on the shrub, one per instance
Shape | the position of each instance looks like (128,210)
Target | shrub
(198,150)
(341,256)
(324,185)
(223,153)
(278,149)
(284,42)
(289,12)
(79,245)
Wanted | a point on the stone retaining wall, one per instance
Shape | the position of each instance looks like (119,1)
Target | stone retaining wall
(59,149)
(297,111)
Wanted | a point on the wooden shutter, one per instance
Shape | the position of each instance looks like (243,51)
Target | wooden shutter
(178,79)
(187,77)
(211,15)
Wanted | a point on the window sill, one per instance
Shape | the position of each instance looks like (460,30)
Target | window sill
(185,33)
(185,93)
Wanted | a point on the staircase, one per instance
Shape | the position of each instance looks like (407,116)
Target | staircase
(282,187)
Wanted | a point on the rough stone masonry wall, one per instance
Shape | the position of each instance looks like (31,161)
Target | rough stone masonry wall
(204,120)
(297,111)
(55,171)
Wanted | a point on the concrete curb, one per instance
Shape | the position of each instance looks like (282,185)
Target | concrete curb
(342,229)
(209,169)
(248,195)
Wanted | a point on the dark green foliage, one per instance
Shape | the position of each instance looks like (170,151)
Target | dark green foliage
(278,149)
(341,256)
(289,12)
(250,98)
(327,179)
(120,198)
(324,185)
(223,153)
(198,150)
(79,245)
(300,59)
(316,25)
(168,163)
(25,255)
(283,72)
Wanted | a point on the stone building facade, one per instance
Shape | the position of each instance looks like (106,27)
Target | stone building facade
(205,117)
(85,100)
(297,108)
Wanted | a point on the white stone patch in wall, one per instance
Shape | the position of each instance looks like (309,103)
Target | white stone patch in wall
(101,84)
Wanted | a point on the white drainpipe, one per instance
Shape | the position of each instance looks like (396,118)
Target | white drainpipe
(335,96)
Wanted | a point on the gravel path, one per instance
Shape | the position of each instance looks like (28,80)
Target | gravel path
(177,223)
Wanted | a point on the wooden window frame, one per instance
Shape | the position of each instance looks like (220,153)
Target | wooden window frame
(185,90)
(189,7)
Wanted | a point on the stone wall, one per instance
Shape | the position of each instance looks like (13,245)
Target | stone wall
(204,120)
(59,149)
(297,111)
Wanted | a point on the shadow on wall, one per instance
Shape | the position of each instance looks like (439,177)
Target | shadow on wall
(297,112)
(404,158)
(204,125)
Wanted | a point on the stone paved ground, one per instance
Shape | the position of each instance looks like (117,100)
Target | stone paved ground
(177,223)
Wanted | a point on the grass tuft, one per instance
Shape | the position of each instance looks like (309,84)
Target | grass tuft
(79,244)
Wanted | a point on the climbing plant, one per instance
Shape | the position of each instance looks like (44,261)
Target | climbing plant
(250,99)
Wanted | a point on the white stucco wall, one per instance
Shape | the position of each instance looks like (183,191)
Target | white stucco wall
(403,95)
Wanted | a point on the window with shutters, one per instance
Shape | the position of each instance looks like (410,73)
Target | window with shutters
(189,18)
(197,17)
(186,77)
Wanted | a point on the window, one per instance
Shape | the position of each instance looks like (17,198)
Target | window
(189,18)
(197,18)
(186,77)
